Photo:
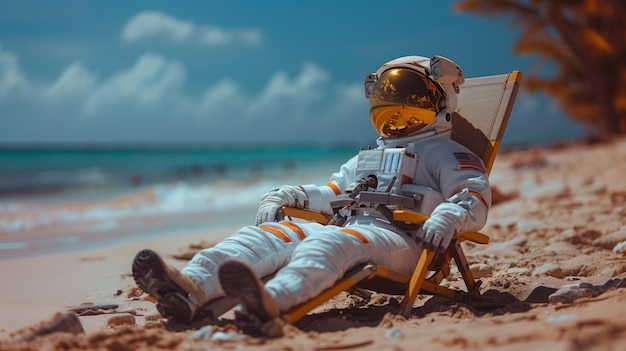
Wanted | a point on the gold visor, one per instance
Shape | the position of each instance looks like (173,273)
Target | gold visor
(403,102)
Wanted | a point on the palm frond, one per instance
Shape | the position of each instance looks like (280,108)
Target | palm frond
(579,48)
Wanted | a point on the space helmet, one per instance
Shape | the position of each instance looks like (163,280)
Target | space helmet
(413,94)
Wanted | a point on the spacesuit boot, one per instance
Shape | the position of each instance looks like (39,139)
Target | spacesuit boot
(258,314)
(178,297)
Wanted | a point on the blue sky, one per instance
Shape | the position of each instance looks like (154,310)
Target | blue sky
(232,72)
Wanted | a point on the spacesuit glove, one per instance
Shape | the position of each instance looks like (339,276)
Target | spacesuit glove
(447,220)
(273,201)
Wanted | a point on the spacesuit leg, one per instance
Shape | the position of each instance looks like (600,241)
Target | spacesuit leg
(326,254)
(266,250)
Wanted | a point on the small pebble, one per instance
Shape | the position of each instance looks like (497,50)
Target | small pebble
(204,332)
(570,293)
(518,270)
(562,319)
(221,336)
(611,240)
(620,248)
(121,319)
(66,322)
(481,270)
(549,269)
(153,317)
(394,334)
(572,278)
(520,242)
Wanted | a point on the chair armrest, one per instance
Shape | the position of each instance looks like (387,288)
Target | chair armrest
(409,216)
(418,218)
(305,214)
(475,237)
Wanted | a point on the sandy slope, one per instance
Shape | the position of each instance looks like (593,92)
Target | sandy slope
(559,221)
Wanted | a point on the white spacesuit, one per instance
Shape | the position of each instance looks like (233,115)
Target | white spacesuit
(415,166)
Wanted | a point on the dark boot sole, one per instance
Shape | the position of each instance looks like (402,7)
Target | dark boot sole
(150,275)
(252,316)
(239,281)
(177,307)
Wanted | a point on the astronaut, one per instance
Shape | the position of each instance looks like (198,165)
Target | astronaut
(415,166)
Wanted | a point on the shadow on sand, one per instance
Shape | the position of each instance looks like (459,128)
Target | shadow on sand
(364,313)
(494,302)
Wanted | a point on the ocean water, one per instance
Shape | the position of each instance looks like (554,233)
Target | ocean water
(62,199)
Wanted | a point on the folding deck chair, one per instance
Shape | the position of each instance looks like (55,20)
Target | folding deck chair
(485,104)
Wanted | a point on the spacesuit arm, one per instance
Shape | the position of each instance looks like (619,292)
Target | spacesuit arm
(311,197)
(275,199)
(320,197)
(468,199)
(467,188)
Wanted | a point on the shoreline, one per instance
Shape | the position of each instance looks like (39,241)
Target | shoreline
(32,245)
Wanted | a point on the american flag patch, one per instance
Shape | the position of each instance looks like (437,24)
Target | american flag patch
(469,161)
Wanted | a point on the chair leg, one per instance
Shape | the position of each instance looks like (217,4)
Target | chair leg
(416,282)
(461,262)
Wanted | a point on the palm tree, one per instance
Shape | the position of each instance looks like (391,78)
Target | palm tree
(584,41)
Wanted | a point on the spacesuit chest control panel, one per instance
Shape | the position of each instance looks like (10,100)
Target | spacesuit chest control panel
(386,180)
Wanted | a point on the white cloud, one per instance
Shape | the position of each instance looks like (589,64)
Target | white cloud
(213,36)
(224,90)
(224,100)
(293,98)
(150,102)
(146,84)
(74,82)
(12,79)
(152,24)
(250,36)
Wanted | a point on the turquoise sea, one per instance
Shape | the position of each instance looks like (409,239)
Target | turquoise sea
(28,171)
(61,198)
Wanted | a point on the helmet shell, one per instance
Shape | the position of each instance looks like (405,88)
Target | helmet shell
(407,99)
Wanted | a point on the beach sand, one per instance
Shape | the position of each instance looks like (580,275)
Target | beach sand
(559,219)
